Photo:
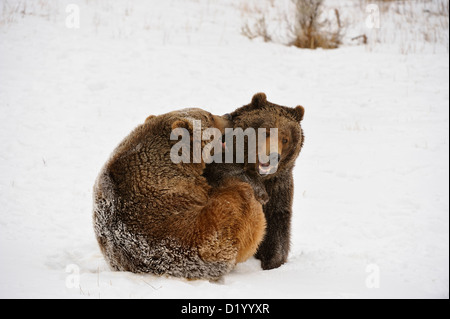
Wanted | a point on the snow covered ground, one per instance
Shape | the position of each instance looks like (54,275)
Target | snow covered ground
(371,212)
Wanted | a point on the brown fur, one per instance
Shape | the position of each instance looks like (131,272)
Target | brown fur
(151,215)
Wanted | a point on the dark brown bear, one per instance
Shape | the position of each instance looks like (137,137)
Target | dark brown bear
(154,216)
(260,113)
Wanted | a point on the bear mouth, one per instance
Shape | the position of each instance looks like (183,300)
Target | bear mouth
(267,168)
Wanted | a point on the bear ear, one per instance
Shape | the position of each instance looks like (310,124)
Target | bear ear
(299,112)
(259,99)
(149,118)
(181,124)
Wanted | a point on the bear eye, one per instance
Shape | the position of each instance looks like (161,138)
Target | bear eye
(285,141)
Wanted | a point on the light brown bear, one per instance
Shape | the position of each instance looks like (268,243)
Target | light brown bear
(154,216)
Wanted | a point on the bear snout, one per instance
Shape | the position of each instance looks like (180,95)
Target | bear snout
(270,166)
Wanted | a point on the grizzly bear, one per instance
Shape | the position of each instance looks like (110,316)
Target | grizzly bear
(152,215)
(276,181)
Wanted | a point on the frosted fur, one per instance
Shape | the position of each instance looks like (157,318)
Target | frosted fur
(166,256)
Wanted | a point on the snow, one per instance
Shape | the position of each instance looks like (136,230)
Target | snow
(371,211)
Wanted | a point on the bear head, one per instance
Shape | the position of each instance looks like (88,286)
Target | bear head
(262,114)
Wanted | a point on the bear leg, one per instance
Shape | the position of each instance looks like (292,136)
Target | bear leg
(274,250)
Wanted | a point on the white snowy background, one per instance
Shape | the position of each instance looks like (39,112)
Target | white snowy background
(371,184)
